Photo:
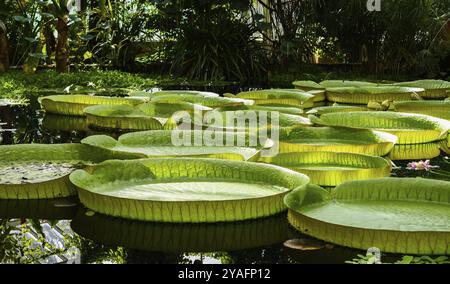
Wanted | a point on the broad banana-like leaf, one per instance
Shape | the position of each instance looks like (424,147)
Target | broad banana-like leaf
(289,97)
(212,102)
(40,171)
(65,123)
(409,128)
(440,109)
(182,238)
(344,84)
(434,89)
(395,215)
(48,209)
(331,109)
(364,95)
(172,92)
(415,151)
(331,168)
(186,190)
(75,104)
(307,85)
(180,143)
(336,139)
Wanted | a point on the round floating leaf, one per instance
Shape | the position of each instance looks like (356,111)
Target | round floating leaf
(294,98)
(75,104)
(330,168)
(345,84)
(65,123)
(440,109)
(329,139)
(181,190)
(434,89)
(40,171)
(319,95)
(173,92)
(364,95)
(415,151)
(307,85)
(176,238)
(212,102)
(396,215)
(332,109)
(120,117)
(177,143)
(409,128)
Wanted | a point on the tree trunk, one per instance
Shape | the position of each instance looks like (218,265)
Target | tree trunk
(62,47)
(4,55)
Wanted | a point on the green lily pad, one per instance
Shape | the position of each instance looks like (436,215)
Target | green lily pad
(395,215)
(182,190)
(364,95)
(336,139)
(307,85)
(40,171)
(439,109)
(75,104)
(160,143)
(332,169)
(295,98)
(434,89)
(409,128)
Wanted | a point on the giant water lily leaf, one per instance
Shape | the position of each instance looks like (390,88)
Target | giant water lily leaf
(180,143)
(40,171)
(172,92)
(147,116)
(364,95)
(181,238)
(396,215)
(75,104)
(121,118)
(415,151)
(330,139)
(267,108)
(409,128)
(331,168)
(48,209)
(295,98)
(185,190)
(79,90)
(319,95)
(307,85)
(65,123)
(331,109)
(434,89)
(212,102)
(344,84)
(440,109)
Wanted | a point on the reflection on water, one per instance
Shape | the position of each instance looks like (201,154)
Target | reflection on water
(60,231)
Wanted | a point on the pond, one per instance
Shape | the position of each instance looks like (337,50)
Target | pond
(63,231)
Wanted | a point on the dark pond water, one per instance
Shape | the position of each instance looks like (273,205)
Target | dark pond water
(55,231)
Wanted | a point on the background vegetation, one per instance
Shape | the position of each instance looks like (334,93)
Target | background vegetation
(249,41)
